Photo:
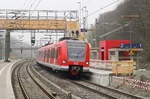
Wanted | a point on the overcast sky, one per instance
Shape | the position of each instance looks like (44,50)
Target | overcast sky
(92,5)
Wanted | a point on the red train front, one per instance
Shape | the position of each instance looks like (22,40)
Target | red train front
(66,55)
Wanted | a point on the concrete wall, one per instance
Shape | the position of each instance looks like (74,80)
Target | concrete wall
(16,53)
(2,51)
(101,79)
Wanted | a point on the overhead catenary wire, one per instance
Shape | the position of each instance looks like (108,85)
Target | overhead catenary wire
(96,11)
(115,30)
(32,4)
(26,3)
(38,3)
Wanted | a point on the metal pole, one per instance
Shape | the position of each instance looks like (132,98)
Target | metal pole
(7,45)
(137,61)
(0,50)
(31,45)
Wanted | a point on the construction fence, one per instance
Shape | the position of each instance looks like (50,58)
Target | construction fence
(117,67)
(131,82)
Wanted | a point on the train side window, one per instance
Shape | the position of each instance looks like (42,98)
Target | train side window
(50,53)
(59,51)
(46,53)
(42,53)
(56,53)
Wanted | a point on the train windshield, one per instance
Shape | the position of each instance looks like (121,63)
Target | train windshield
(76,50)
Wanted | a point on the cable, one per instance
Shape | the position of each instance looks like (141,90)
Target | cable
(116,1)
(28,4)
(115,30)
(32,4)
(25,3)
(37,4)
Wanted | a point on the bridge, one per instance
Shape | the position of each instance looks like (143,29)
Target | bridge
(39,20)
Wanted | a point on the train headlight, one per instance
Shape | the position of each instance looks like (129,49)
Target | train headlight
(86,63)
(64,62)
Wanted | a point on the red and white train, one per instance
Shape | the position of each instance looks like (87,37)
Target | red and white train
(67,55)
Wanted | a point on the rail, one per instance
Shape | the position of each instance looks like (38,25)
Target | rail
(21,84)
(107,91)
(37,83)
(24,92)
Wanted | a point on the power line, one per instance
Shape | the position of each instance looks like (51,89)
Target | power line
(25,3)
(115,30)
(28,4)
(34,1)
(37,4)
(116,1)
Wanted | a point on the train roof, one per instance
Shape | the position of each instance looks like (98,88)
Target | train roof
(61,41)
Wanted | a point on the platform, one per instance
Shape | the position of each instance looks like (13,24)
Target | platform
(101,72)
(98,76)
(6,90)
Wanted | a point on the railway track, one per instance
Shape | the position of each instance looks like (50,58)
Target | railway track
(22,85)
(87,89)
(23,90)
(105,91)
(67,93)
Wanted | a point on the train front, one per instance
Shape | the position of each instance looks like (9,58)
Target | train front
(78,56)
